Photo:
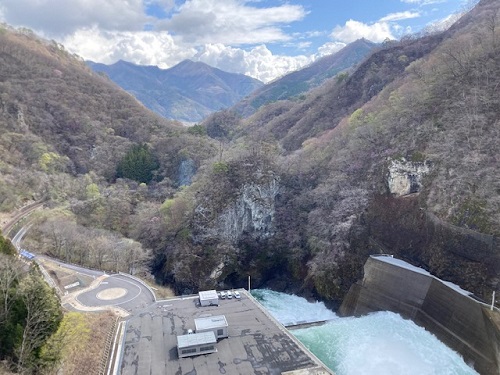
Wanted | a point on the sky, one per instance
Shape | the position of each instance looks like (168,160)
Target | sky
(264,39)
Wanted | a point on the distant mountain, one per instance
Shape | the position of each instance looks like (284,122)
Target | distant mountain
(187,92)
(300,81)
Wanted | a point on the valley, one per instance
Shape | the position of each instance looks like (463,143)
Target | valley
(378,148)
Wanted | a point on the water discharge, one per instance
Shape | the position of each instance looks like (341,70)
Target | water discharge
(380,343)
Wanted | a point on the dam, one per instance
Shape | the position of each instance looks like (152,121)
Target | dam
(451,313)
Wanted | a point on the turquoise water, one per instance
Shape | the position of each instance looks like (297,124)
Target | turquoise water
(381,343)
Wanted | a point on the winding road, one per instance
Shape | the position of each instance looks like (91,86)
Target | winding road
(121,291)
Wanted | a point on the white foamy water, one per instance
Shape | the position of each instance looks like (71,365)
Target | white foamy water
(380,343)
(289,309)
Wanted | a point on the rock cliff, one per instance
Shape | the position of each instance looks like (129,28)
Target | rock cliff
(252,212)
(405,177)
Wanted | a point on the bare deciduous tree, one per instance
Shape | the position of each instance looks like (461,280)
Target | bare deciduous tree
(10,274)
(43,316)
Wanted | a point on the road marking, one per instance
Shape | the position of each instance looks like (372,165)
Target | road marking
(73,285)
(134,284)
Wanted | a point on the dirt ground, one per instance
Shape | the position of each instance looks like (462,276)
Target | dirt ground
(85,354)
(64,277)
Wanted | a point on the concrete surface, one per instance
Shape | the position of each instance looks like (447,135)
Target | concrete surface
(451,314)
(134,296)
(256,344)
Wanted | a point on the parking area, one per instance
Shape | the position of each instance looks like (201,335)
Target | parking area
(256,343)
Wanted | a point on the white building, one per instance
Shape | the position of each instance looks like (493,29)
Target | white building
(196,344)
(216,324)
(209,298)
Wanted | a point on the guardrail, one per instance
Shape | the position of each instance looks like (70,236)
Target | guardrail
(107,349)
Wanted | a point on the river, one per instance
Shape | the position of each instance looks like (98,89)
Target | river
(380,343)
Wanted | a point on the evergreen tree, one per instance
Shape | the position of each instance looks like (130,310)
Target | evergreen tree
(6,246)
(138,164)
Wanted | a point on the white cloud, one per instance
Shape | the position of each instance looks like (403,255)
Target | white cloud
(161,49)
(353,30)
(209,30)
(230,22)
(228,34)
(399,16)
(259,62)
(165,4)
(442,24)
(330,48)
(62,17)
(145,48)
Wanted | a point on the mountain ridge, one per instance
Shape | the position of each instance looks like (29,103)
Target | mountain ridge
(397,157)
(307,78)
(180,92)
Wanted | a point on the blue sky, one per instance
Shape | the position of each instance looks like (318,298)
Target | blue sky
(261,38)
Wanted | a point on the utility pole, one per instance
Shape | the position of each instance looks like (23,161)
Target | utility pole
(492,299)
(248,283)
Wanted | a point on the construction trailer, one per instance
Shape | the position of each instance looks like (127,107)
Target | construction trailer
(209,298)
(196,344)
(216,324)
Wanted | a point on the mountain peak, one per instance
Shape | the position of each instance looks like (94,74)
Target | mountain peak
(188,91)
(189,66)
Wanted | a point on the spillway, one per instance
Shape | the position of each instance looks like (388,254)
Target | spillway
(379,343)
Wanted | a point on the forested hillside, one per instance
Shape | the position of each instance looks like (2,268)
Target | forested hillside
(96,156)
(30,314)
(295,84)
(398,157)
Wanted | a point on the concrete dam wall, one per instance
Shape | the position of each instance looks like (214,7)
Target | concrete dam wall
(457,319)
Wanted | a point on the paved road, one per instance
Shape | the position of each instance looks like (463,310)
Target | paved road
(120,291)
(16,240)
(82,270)
(116,290)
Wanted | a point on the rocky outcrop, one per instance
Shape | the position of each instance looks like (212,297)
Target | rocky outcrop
(187,169)
(248,210)
(452,314)
(405,177)
(252,212)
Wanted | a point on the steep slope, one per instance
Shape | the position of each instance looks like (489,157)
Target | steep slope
(64,127)
(399,158)
(296,83)
(292,123)
(187,92)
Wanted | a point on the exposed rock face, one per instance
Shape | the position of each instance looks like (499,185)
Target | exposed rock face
(187,169)
(252,212)
(405,177)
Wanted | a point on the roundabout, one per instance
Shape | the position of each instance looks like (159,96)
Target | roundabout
(117,291)
(111,294)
